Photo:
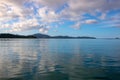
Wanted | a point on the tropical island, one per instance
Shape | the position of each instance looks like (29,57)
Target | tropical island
(38,35)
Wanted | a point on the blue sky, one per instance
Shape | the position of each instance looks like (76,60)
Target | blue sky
(99,18)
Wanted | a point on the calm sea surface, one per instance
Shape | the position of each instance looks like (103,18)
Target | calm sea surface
(59,59)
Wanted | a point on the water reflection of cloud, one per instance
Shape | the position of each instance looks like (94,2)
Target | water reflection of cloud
(38,58)
(24,56)
(14,56)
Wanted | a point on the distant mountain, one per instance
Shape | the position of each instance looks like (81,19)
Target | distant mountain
(38,35)
(117,38)
(7,35)
(69,37)
(86,37)
(65,37)
(58,37)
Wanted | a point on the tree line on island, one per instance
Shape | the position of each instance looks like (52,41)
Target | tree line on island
(38,35)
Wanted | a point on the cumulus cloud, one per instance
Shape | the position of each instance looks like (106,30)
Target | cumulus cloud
(90,21)
(26,24)
(35,14)
(48,15)
(77,8)
(51,3)
(12,8)
(76,25)
(93,5)
(103,16)
(44,29)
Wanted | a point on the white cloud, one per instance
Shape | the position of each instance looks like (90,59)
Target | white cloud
(52,11)
(103,16)
(90,21)
(26,24)
(48,15)
(44,29)
(52,3)
(76,25)
(11,8)
(94,5)
(76,8)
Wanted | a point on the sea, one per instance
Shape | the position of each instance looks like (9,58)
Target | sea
(59,59)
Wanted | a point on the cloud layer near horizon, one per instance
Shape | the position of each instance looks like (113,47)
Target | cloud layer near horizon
(22,15)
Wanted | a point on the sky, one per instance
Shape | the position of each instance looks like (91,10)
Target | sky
(98,18)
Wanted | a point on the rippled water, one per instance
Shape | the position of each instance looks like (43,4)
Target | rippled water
(59,59)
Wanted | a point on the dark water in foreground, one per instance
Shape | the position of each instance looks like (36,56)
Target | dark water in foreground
(59,59)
